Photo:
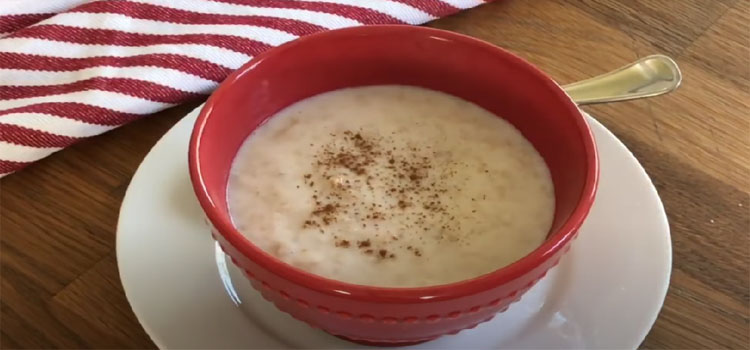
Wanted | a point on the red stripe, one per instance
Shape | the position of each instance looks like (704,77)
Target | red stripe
(194,66)
(166,14)
(76,111)
(133,87)
(12,23)
(436,8)
(360,14)
(9,166)
(34,138)
(115,37)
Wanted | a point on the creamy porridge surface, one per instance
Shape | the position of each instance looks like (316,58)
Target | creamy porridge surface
(391,186)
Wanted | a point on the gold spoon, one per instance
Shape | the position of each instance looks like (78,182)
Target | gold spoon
(647,77)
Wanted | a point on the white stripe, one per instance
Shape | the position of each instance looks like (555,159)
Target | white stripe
(217,55)
(104,99)
(463,4)
(24,7)
(17,153)
(394,9)
(146,26)
(325,20)
(54,124)
(162,76)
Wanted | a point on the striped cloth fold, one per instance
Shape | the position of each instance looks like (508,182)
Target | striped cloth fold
(71,69)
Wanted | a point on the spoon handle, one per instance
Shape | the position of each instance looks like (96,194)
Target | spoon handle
(649,76)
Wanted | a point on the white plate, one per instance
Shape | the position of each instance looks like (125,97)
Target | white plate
(606,293)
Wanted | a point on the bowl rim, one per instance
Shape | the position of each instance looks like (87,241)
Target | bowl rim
(556,241)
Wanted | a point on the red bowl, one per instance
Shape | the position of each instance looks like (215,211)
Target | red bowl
(455,64)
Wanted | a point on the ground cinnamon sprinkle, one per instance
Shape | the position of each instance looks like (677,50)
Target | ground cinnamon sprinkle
(354,164)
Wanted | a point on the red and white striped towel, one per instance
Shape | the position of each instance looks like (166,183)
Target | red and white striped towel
(71,69)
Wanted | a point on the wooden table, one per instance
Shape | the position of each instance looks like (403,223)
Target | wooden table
(60,286)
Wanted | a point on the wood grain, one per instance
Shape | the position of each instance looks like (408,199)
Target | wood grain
(59,285)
